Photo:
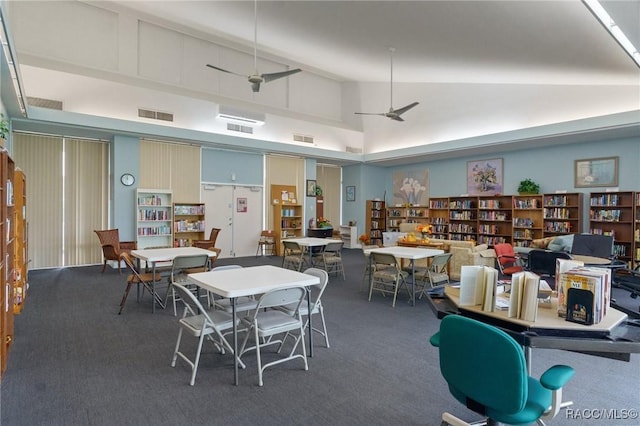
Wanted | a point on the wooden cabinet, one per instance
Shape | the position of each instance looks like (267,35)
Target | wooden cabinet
(154,218)
(376,221)
(463,218)
(612,213)
(398,215)
(439,217)
(494,219)
(188,224)
(562,214)
(527,219)
(7,255)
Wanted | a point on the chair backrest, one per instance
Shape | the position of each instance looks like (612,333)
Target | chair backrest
(334,247)
(593,245)
(366,247)
(128,260)
(501,382)
(109,237)
(543,262)
(439,262)
(192,305)
(180,263)
(290,247)
(505,253)
(282,297)
(267,235)
(213,236)
(324,279)
(384,259)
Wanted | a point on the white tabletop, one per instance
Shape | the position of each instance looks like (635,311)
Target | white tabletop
(252,280)
(407,252)
(312,241)
(168,254)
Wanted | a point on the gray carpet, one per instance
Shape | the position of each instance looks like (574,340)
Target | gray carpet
(74,361)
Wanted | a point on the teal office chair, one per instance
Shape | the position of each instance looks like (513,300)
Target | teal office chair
(486,370)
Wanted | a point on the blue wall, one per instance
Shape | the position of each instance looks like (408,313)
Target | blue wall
(220,166)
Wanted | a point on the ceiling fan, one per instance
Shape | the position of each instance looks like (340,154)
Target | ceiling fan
(256,78)
(393,114)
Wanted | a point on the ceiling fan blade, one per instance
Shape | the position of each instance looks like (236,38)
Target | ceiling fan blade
(223,70)
(405,108)
(276,75)
(395,117)
(370,113)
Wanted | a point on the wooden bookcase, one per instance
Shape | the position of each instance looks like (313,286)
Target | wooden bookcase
(397,215)
(188,224)
(463,218)
(636,231)
(376,221)
(7,255)
(612,213)
(562,214)
(527,219)
(20,285)
(154,218)
(287,214)
(439,217)
(494,219)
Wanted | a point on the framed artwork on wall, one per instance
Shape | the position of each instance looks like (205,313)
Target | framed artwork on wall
(311,188)
(593,172)
(484,177)
(350,193)
(411,187)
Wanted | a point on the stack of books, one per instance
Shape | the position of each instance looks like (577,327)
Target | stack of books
(584,294)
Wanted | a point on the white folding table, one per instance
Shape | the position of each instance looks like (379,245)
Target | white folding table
(159,255)
(234,283)
(410,253)
(310,243)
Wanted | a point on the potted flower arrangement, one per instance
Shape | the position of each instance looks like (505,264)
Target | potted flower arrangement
(364,239)
(425,229)
(528,186)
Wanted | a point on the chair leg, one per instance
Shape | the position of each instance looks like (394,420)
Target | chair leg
(197,360)
(258,356)
(104,266)
(177,349)
(124,297)
(324,327)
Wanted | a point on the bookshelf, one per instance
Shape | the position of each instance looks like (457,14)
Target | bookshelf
(376,221)
(287,214)
(413,214)
(20,285)
(154,218)
(439,217)
(562,214)
(463,218)
(612,213)
(494,220)
(527,219)
(188,224)
(7,255)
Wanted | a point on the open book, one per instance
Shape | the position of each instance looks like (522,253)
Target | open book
(523,302)
(478,286)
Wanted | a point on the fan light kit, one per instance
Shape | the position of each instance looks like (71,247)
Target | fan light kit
(393,114)
(256,78)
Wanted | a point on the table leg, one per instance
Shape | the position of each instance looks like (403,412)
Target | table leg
(413,282)
(310,331)
(235,341)
(153,286)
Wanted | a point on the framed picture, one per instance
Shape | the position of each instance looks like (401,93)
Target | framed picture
(596,172)
(351,193)
(311,188)
(484,177)
(241,205)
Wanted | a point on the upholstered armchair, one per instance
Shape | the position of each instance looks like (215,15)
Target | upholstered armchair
(112,247)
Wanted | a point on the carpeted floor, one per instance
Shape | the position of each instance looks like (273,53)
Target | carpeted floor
(74,361)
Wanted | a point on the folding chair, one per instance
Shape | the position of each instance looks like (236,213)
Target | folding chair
(332,258)
(136,278)
(181,266)
(386,275)
(243,304)
(436,274)
(293,257)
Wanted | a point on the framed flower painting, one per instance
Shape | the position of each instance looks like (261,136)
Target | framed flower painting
(484,177)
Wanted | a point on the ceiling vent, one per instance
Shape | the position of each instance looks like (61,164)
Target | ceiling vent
(354,150)
(155,115)
(239,128)
(303,138)
(44,103)
(240,116)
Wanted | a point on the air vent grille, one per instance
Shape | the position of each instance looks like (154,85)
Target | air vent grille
(155,115)
(44,103)
(354,150)
(303,138)
(238,128)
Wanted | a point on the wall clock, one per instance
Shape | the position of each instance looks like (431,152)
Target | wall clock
(127,179)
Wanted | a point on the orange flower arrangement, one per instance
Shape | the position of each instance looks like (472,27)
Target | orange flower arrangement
(424,228)
(364,238)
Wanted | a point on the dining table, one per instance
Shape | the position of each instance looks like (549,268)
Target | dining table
(154,256)
(309,243)
(250,281)
(409,253)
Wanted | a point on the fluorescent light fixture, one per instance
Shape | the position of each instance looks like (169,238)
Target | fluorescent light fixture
(13,69)
(241,117)
(606,20)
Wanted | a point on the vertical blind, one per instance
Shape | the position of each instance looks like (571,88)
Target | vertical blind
(329,178)
(67,197)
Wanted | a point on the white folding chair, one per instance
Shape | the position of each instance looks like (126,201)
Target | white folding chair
(436,274)
(332,258)
(181,266)
(264,323)
(387,277)
(243,304)
(316,306)
(293,257)
(203,324)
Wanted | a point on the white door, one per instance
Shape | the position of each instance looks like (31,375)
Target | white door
(237,211)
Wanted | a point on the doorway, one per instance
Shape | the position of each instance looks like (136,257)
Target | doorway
(237,211)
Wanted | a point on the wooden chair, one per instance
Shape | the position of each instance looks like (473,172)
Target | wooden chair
(267,242)
(211,242)
(147,280)
(112,247)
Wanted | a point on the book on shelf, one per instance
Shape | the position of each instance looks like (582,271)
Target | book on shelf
(523,300)
(478,286)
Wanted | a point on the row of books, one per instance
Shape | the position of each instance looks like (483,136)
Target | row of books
(584,293)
